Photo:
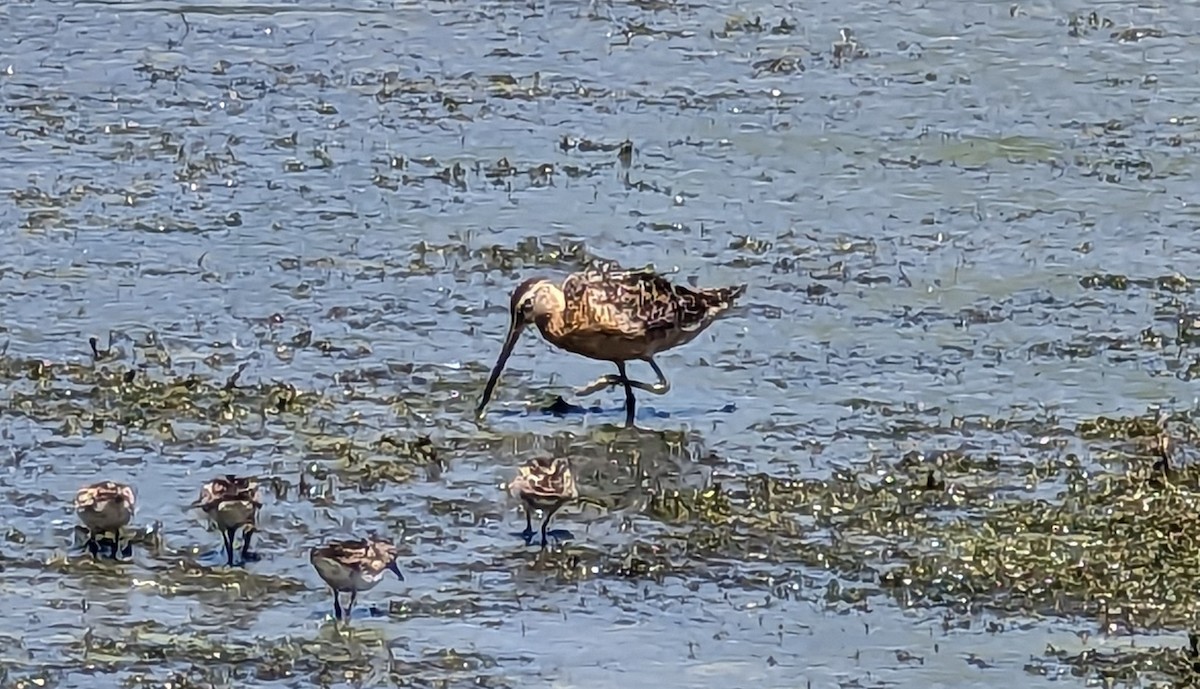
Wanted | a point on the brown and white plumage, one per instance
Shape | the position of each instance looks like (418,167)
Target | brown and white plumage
(232,503)
(612,315)
(105,508)
(546,484)
(353,566)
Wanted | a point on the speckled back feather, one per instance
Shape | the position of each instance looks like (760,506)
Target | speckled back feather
(546,477)
(640,303)
(357,553)
(229,487)
(104,491)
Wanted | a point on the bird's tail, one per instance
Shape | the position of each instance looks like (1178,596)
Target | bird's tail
(723,297)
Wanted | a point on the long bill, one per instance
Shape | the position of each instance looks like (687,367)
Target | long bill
(514,334)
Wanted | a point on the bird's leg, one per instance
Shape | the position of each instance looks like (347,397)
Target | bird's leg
(247,532)
(353,598)
(528,533)
(546,522)
(337,604)
(659,387)
(92,546)
(116,549)
(227,534)
(630,402)
(601,383)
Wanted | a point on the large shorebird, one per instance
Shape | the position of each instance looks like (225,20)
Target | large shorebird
(616,316)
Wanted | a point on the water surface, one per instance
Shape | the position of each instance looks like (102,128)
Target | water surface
(966,229)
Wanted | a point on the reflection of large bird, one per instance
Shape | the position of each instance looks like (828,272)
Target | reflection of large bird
(615,316)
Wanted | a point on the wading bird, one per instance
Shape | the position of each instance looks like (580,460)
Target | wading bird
(232,503)
(105,507)
(612,315)
(353,566)
(545,484)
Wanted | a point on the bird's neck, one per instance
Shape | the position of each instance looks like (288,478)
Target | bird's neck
(552,326)
(552,305)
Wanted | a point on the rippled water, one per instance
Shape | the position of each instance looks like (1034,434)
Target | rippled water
(930,211)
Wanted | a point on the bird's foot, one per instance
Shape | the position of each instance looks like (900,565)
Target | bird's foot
(601,383)
(613,380)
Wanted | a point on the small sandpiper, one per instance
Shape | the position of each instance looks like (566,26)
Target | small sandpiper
(353,566)
(105,507)
(546,484)
(232,503)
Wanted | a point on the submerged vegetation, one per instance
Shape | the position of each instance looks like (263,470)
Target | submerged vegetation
(969,531)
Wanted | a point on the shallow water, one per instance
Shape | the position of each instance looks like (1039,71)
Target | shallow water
(932,218)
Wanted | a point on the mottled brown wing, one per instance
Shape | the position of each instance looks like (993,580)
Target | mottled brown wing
(228,488)
(245,488)
(349,550)
(635,303)
(545,476)
(548,478)
(105,490)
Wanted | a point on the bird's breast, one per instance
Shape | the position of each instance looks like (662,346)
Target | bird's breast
(365,580)
(230,513)
(337,575)
(107,515)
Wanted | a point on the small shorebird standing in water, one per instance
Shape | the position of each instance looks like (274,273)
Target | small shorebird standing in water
(105,507)
(545,484)
(232,503)
(353,566)
(612,315)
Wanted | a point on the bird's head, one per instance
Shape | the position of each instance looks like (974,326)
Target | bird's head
(533,301)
